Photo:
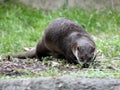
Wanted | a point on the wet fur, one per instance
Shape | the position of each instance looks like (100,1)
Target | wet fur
(63,38)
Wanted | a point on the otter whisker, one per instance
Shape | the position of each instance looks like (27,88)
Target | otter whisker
(94,56)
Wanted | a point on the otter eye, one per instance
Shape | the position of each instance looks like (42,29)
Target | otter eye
(82,58)
(78,48)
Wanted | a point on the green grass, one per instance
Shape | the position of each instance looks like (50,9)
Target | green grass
(22,26)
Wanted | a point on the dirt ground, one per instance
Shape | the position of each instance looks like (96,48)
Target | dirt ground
(13,66)
(10,66)
(17,67)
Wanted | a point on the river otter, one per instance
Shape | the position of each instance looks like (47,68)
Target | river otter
(64,38)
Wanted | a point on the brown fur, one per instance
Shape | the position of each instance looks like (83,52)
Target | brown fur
(66,39)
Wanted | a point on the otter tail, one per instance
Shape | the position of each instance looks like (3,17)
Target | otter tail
(29,54)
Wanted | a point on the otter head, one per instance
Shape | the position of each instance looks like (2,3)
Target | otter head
(84,51)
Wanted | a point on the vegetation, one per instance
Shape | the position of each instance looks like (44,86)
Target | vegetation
(22,26)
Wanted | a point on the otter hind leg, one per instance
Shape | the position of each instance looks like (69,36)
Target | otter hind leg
(41,50)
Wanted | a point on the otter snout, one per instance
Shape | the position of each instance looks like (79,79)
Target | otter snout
(84,57)
(86,61)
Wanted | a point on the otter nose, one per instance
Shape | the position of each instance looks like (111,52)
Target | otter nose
(85,65)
